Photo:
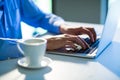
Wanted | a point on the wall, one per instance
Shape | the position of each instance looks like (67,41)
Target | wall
(80,10)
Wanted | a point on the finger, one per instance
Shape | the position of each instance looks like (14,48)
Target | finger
(78,40)
(71,45)
(66,50)
(89,33)
(86,45)
(93,32)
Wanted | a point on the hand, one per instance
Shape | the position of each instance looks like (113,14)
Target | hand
(65,40)
(65,29)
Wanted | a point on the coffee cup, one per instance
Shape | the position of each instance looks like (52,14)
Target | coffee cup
(33,49)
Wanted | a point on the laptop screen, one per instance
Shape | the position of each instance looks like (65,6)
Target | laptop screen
(109,27)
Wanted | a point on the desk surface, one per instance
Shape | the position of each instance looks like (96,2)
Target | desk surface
(105,67)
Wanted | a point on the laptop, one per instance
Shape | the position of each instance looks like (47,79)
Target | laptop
(103,41)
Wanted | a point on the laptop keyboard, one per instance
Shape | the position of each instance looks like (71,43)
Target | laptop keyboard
(93,46)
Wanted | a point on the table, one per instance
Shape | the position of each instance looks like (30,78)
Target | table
(105,67)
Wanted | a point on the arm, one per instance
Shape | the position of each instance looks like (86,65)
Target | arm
(33,16)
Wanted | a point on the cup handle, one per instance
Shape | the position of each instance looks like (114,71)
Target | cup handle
(19,48)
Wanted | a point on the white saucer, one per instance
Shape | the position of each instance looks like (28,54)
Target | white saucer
(45,62)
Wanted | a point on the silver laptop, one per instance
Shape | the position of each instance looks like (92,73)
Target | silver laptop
(102,42)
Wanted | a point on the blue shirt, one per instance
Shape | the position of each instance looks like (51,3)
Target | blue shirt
(15,11)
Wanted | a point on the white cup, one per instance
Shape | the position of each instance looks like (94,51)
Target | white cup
(33,50)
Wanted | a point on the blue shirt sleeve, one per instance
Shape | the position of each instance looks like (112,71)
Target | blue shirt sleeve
(9,50)
(33,16)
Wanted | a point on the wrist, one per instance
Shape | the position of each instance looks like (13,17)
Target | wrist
(63,28)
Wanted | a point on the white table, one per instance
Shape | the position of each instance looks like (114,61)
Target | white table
(105,67)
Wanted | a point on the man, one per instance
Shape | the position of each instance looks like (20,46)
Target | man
(12,12)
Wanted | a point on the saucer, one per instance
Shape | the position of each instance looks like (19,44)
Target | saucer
(45,62)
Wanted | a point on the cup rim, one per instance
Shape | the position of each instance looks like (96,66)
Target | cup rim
(22,41)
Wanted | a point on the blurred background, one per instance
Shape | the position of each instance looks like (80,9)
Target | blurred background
(86,11)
